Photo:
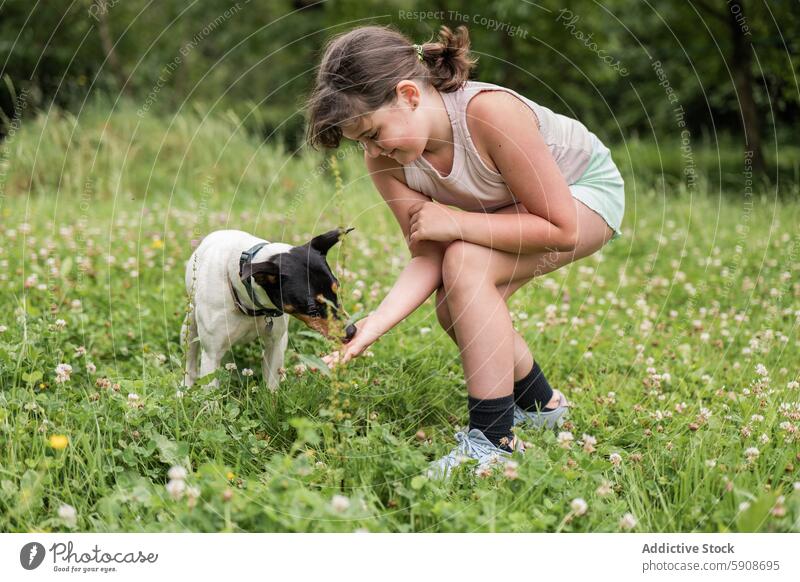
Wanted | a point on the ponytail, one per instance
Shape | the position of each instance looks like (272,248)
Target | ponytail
(449,60)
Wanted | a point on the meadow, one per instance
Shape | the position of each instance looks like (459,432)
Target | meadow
(676,344)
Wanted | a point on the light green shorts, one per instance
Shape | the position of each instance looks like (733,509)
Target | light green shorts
(601,187)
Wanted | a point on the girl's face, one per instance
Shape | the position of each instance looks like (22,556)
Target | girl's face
(399,130)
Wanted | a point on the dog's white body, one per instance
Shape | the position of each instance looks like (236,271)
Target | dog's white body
(214,323)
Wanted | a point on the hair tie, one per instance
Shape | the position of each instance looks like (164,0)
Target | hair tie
(418,48)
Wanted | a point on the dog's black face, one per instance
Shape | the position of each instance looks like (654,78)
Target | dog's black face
(301,283)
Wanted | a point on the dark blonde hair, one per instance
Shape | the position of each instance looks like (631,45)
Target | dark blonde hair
(361,68)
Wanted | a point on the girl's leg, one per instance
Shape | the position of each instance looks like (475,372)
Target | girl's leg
(472,275)
(523,359)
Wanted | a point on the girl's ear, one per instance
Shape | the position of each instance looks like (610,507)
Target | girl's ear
(407,90)
(323,242)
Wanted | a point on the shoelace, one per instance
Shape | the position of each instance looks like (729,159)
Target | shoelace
(468,447)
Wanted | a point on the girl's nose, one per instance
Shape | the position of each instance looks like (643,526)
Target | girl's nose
(373,150)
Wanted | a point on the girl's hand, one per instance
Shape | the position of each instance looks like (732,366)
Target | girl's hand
(355,347)
(429,221)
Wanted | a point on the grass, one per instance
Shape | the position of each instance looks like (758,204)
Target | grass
(658,340)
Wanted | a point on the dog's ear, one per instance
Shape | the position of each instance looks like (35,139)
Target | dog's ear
(324,242)
(268,269)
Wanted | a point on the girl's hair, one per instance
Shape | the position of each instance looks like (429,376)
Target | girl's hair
(361,68)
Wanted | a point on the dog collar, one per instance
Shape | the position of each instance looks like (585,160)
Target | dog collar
(245,258)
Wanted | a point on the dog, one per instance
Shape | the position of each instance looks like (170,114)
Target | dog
(242,287)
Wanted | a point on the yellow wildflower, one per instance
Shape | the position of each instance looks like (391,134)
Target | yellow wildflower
(58,441)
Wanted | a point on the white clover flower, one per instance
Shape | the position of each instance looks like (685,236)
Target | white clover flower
(761,370)
(793,385)
(510,470)
(764,439)
(588,443)
(247,372)
(60,324)
(424,330)
(616,459)
(176,488)
(744,505)
(565,439)
(230,366)
(63,372)
(752,454)
(91,368)
(604,489)
(80,351)
(711,463)
(340,503)
(177,473)
(627,521)
(68,514)
(133,397)
(3,328)
(578,506)
(483,471)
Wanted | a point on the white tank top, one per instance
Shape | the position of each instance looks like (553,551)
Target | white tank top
(473,186)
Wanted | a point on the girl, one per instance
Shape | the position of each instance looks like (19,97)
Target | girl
(520,191)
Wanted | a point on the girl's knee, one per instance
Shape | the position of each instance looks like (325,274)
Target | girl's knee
(462,261)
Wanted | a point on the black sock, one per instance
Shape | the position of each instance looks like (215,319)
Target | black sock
(494,418)
(533,391)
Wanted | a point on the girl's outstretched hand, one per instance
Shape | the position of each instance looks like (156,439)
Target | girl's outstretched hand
(362,339)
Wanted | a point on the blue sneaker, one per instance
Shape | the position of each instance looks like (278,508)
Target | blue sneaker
(471,445)
(547,418)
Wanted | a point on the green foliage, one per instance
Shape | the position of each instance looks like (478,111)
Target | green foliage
(590,60)
(677,316)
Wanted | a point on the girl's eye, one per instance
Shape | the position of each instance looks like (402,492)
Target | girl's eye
(374,136)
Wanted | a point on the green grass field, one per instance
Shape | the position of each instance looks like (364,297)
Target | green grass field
(677,345)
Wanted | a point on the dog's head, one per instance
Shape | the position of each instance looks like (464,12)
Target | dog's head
(301,283)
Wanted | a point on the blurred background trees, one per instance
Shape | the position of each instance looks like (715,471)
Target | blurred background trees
(623,67)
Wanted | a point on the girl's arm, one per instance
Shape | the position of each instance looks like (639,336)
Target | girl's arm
(423,274)
(507,129)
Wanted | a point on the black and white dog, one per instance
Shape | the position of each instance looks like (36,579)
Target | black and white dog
(242,287)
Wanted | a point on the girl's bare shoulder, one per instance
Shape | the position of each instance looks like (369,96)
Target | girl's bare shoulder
(496,118)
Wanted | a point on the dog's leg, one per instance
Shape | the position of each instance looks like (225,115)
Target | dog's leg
(209,362)
(272,357)
(189,340)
